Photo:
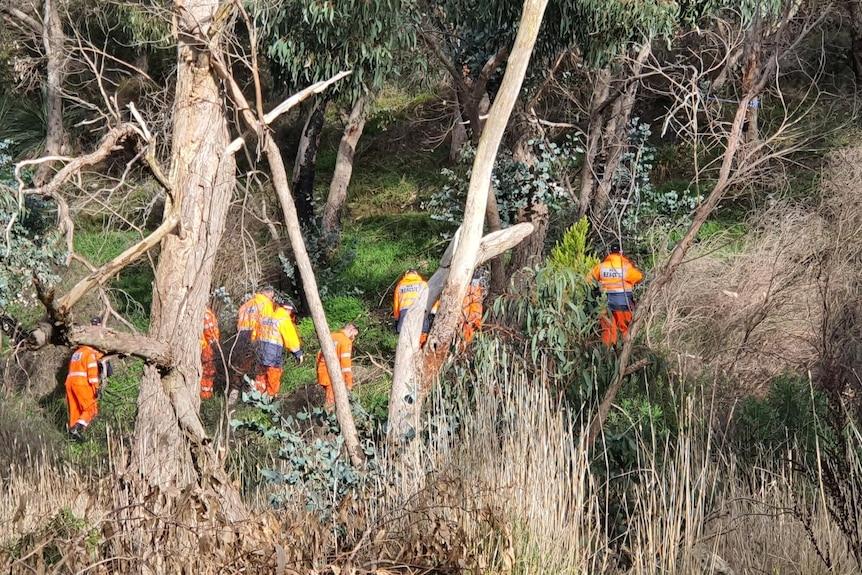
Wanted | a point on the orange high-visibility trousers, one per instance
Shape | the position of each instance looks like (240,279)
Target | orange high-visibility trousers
(209,372)
(83,406)
(612,322)
(268,380)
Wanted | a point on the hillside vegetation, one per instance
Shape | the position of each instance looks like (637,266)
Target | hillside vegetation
(722,437)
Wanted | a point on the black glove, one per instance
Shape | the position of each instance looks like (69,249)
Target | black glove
(298,356)
(99,392)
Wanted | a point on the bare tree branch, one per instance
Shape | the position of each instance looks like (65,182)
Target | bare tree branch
(22,19)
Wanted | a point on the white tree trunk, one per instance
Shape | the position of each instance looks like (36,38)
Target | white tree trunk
(420,370)
(344,168)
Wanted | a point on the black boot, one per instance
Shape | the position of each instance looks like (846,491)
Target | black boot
(77,432)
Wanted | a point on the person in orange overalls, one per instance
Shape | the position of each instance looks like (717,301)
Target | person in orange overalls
(209,343)
(406,293)
(616,276)
(82,387)
(471,311)
(276,333)
(343,341)
(244,350)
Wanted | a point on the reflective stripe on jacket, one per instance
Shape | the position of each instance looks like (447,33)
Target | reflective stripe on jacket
(471,307)
(250,313)
(344,351)
(406,292)
(211,333)
(84,367)
(617,276)
(276,333)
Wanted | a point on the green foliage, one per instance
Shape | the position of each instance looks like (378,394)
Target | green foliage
(30,249)
(341,310)
(471,32)
(642,207)
(516,184)
(22,129)
(309,41)
(555,320)
(570,253)
(793,414)
(386,246)
(315,465)
(131,291)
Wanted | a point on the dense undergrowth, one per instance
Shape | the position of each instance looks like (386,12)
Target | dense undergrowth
(722,448)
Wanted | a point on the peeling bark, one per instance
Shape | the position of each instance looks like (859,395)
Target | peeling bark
(177,491)
(343,168)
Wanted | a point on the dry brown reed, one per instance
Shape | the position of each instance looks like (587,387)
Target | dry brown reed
(752,308)
(503,485)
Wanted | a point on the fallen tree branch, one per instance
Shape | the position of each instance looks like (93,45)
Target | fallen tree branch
(112,341)
(110,269)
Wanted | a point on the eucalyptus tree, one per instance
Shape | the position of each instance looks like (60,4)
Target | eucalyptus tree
(42,28)
(417,369)
(471,40)
(171,472)
(308,41)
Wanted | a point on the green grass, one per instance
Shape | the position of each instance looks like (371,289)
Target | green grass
(132,289)
(117,410)
(387,246)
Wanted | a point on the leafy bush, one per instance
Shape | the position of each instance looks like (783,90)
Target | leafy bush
(32,246)
(643,207)
(315,464)
(570,253)
(552,321)
(517,185)
(793,414)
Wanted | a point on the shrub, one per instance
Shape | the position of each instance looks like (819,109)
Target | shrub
(792,415)
(570,253)
(314,464)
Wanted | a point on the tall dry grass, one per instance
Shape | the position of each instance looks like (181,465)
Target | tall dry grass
(503,484)
(753,308)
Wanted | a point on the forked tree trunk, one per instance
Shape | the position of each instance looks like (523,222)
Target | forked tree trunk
(306,163)
(416,371)
(53,40)
(177,488)
(343,168)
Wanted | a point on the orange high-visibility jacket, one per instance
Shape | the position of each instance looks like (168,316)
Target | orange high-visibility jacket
(617,276)
(406,292)
(250,313)
(344,351)
(211,333)
(471,308)
(276,332)
(84,367)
